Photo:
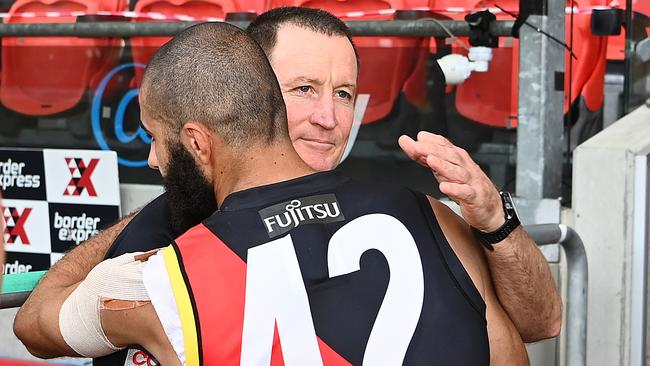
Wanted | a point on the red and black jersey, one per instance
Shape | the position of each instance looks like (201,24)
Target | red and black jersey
(324,270)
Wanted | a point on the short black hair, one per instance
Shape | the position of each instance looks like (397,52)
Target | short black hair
(264,29)
(215,74)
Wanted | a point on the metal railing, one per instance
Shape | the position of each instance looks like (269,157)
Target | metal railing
(576,310)
(413,28)
(17,287)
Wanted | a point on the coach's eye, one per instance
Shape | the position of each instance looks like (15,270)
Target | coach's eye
(343,94)
(304,88)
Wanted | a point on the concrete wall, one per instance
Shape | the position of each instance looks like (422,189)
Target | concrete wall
(604,205)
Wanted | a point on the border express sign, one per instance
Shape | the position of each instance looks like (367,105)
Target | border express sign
(53,201)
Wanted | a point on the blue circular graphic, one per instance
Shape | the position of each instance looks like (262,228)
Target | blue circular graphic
(122,136)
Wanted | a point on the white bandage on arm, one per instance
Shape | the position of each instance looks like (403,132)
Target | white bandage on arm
(79,319)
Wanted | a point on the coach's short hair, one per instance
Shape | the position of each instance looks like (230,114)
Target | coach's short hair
(264,29)
(215,74)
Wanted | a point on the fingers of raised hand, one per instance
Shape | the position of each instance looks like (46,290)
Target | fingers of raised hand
(410,147)
(430,144)
(458,192)
(448,171)
(448,162)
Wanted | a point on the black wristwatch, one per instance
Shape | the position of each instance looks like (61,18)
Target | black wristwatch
(512,222)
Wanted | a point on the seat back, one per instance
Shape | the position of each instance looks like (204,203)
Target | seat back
(143,48)
(48,75)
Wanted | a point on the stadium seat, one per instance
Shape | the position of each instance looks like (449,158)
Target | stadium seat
(143,48)
(387,63)
(588,79)
(48,75)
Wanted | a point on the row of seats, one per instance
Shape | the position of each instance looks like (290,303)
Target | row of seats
(44,76)
(48,75)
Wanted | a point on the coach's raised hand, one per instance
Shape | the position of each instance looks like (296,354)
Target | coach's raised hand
(459,177)
(521,276)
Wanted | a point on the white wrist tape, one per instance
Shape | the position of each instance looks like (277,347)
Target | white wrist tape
(118,278)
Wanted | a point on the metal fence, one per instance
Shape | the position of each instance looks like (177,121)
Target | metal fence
(426,27)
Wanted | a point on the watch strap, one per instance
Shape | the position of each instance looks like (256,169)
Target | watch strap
(511,223)
(488,239)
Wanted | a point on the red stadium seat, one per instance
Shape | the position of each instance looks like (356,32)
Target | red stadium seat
(143,48)
(387,63)
(588,79)
(48,75)
(491,98)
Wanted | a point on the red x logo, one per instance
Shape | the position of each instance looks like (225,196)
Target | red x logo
(16,225)
(81,173)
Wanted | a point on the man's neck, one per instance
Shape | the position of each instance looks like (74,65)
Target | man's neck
(259,167)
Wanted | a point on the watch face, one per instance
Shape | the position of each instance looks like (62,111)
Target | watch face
(509,205)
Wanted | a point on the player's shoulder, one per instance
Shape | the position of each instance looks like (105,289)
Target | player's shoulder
(156,205)
(149,229)
(379,192)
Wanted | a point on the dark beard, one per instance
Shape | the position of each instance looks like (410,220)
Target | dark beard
(191,196)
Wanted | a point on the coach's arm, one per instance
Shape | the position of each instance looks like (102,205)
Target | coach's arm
(521,275)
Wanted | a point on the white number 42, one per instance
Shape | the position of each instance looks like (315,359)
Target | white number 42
(275,294)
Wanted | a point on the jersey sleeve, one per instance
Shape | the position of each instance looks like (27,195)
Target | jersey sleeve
(149,229)
(163,278)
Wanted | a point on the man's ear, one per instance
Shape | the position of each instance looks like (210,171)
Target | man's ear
(197,138)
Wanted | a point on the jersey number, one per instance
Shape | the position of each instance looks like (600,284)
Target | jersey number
(276,295)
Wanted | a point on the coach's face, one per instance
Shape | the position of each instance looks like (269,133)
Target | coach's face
(318,78)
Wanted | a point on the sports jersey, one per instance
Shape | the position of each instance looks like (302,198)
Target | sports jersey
(149,229)
(318,270)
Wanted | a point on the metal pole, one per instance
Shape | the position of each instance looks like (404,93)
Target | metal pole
(576,311)
(540,131)
(13,300)
(411,28)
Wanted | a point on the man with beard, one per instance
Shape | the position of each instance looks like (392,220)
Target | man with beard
(347,272)
(317,77)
